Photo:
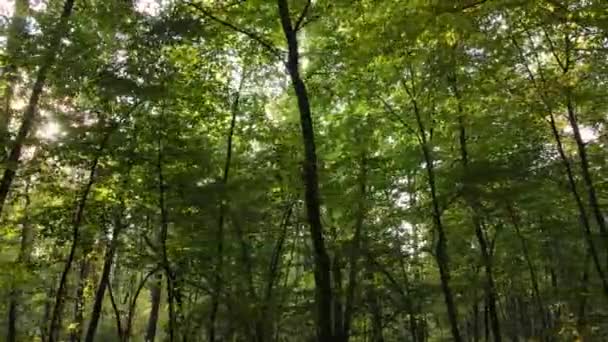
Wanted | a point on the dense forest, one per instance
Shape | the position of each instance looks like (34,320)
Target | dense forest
(303,170)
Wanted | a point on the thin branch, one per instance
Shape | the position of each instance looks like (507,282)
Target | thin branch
(391,110)
(563,66)
(253,36)
(116,310)
(298,24)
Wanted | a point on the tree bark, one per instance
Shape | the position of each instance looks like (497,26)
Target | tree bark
(16,35)
(133,305)
(355,250)
(530,265)
(164,230)
(266,323)
(587,233)
(155,292)
(76,334)
(101,289)
(30,111)
(587,178)
(77,222)
(23,260)
(215,300)
(441,253)
(474,206)
(322,274)
(117,315)
(108,261)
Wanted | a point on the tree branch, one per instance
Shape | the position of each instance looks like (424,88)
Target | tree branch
(253,36)
(298,24)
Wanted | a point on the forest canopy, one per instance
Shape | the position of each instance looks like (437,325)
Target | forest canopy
(303,170)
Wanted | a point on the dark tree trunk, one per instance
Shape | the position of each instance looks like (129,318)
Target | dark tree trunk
(322,271)
(101,289)
(59,298)
(587,178)
(353,272)
(14,42)
(441,253)
(24,258)
(338,308)
(30,111)
(76,334)
(117,315)
(218,283)
(265,323)
(133,305)
(376,315)
(531,269)
(155,306)
(475,322)
(164,231)
(587,232)
(108,260)
(475,207)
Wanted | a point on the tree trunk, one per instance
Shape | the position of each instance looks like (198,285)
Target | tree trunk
(16,35)
(376,315)
(76,334)
(322,272)
(217,287)
(587,233)
(164,230)
(101,289)
(155,306)
(117,315)
(30,111)
(587,178)
(266,322)
(23,260)
(108,261)
(475,207)
(441,253)
(531,268)
(59,298)
(355,251)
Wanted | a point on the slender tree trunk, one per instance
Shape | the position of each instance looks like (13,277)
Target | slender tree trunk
(16,35)
(59,298)
(117,315)
(322,272)
(23,260)
(164,230)
(441,253)
(587,232)
(338,309)
(376,315)
(133,305)
(475,206)
(155,291)
(566,64)
(475,322)
(531,268)
(30,111)
(587,178)
(47,311)
(581,322)
(217,287)
(264,321)
(76,334)
(101,289)
(355,251)
(108,261)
